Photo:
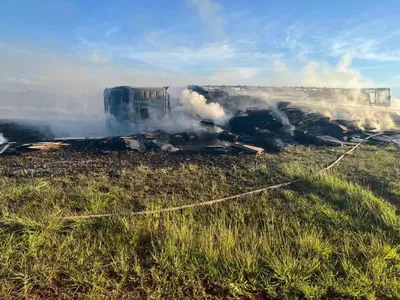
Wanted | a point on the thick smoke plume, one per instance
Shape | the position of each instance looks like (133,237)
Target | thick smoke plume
(197,104)
(187,110)
(3,140)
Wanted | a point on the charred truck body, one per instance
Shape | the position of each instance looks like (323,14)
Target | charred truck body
(239,96)
(127,106)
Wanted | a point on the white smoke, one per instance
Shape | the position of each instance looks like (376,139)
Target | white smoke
(349,106)
(343,107)
(188,108)
(396,104)
(3,140)
(197,104)
(181,121)
(320,74)
(364,117)
(342,75)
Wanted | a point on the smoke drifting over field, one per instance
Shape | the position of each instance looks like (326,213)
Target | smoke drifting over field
(73,92)
(350,106)
(346,107)
(320,74)
(365,117)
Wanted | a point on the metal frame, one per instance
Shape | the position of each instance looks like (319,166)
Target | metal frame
(140,97)
(296,92)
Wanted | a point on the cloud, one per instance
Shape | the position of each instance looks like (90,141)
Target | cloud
(48,67)
(210,14)
(375,40)
(20,81)
(181,54)
(112,31)
(156,51)
(372,40)
(97,57)
(296,34)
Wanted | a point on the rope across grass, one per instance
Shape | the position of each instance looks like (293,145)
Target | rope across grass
(217,201)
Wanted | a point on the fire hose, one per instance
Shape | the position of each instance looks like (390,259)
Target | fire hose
(216,201)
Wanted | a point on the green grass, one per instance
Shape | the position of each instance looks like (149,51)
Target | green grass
(331,236)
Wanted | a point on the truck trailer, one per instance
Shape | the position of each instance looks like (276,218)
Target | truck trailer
(141,107)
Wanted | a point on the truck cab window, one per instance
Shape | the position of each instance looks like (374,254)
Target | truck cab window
(144,113)
(126,96)
(116,97)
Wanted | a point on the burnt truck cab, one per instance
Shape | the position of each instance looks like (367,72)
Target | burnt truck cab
(128,108)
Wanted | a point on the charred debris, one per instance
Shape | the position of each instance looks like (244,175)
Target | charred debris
(252,131)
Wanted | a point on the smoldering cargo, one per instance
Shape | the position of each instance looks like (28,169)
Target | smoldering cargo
(242,120)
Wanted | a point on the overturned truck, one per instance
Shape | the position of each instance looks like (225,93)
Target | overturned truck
(127,106)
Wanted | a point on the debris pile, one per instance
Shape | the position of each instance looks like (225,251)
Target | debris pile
(24,133)
(249,131)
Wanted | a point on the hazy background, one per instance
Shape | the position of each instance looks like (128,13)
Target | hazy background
(56,57)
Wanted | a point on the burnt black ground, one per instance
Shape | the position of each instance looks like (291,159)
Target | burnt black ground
(60,163)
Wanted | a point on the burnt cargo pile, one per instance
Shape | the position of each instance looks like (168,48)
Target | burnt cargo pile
(24,132)
(248,131)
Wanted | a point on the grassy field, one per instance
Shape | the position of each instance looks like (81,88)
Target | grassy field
(332,236)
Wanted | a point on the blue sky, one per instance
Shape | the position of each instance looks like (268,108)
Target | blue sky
(154,42)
